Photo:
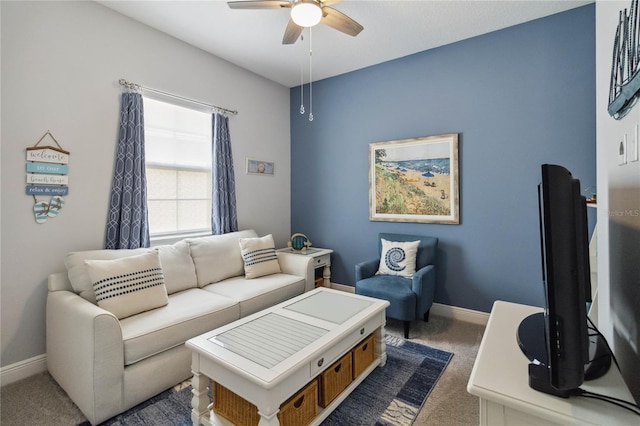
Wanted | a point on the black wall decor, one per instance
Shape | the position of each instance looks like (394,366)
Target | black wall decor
(624,87)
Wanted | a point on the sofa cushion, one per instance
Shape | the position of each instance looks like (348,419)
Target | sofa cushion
(398,258)
(77,270)
(178,267)
(259,256)
(129,285)
(259,293)
(218,257)
(189,313)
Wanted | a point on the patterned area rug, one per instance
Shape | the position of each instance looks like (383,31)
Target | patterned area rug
(391,395)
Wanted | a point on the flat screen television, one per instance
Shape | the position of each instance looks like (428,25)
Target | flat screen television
(558,342)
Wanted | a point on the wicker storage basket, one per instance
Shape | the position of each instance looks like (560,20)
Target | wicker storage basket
(299,410)
(302,408)
(234,408)
(335,379)
(363,355)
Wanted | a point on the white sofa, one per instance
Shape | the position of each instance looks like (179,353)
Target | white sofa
(108,365)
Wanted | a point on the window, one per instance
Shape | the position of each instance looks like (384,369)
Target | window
(178,167)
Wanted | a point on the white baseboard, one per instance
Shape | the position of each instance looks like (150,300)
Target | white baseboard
(461,314)
(23,369)
(453,312)
(342,287)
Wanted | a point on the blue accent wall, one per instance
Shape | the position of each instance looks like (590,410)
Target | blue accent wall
(518,98)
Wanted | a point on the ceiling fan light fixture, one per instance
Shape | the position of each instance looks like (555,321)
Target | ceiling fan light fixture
(306,13)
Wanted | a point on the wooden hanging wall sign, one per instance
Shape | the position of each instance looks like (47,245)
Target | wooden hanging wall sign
(47,169)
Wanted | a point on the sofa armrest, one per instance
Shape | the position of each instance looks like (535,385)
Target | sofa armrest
(59,281)
(423,285)
(301,266)
(85,354)
(367,269)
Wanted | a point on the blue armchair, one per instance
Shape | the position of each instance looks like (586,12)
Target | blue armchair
(410,298)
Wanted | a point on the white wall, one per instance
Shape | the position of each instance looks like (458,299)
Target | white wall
(60,65)
(618,210)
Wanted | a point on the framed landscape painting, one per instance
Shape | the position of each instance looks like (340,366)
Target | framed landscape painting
(415,180)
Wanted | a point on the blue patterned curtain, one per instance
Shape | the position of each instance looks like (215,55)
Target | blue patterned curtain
(224,217)
(127,223)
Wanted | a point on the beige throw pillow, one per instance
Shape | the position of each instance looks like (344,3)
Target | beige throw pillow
(177,266)
(259,255)
(218,257)
(398,258)
(77,269)
(129,285)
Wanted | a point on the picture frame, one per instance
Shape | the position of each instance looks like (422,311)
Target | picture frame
(260,167)
(415,180)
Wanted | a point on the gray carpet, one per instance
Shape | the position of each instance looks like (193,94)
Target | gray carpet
(394,394)
(38,400)
(390,396)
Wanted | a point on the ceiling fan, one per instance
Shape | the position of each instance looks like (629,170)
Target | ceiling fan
(304,13)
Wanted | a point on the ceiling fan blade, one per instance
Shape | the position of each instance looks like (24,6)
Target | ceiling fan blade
(339,21)
(330,2)
(259,4)
(291,33)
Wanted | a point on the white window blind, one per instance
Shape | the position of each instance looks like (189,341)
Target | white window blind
(178,167)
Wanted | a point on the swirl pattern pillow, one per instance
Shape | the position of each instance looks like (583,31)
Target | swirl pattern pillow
(398,258)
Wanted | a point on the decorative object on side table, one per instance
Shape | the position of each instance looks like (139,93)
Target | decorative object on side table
(299,242)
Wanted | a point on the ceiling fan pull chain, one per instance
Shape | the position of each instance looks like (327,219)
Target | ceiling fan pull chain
(310,73)
(302,82)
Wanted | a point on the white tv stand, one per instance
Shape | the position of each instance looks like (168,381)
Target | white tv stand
(500,378)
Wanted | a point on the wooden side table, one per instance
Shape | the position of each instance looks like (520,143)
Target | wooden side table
(321,262)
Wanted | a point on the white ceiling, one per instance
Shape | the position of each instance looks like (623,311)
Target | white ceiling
(252,39)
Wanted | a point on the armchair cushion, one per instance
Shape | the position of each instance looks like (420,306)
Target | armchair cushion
(398,258)
(397,290)
(130,285)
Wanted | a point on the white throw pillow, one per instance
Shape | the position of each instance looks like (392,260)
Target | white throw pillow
(130,285)
(398,258)
(77,269)
(217,257)
(259,256)
(177,266)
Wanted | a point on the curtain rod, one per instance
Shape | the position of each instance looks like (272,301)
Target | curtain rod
(135,86)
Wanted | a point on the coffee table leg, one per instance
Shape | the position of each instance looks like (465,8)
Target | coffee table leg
(381,347)
(200,400)
(268,420)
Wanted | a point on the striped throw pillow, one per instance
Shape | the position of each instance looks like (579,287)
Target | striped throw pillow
(259,256)
(129,285)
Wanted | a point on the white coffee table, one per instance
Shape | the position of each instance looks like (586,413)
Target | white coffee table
(270,355)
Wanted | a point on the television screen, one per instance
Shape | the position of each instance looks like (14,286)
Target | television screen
(558,341)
